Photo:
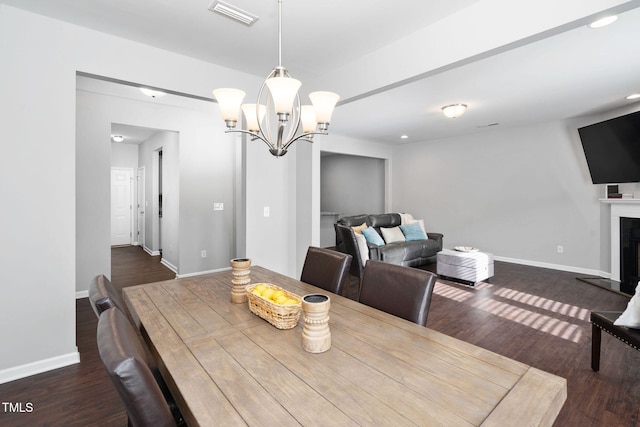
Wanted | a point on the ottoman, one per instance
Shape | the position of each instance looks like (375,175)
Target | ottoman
(466,267)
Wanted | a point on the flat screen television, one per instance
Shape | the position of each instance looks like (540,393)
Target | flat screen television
(612,149)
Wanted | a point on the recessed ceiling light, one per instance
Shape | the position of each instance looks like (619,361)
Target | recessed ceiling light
(151,92)
(404,136)
(634,96)
(117,138)
(602,22)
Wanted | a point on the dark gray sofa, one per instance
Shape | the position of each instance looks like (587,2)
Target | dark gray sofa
(412,254)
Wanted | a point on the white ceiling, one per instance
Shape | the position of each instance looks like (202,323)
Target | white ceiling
(562,69)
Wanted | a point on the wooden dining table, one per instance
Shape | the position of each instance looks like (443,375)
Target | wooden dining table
(226,366)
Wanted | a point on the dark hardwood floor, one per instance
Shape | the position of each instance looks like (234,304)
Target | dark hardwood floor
(537,316)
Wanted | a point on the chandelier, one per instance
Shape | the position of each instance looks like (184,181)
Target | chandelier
(277,115)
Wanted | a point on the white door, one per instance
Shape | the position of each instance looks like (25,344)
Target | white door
(121,206)
(141,206)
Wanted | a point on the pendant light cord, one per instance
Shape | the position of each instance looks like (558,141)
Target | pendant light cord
(280,33)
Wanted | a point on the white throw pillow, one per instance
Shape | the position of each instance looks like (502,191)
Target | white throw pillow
(405,218)
(362,248)
(631,316)
(392,234)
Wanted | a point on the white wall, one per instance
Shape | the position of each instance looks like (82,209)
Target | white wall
(37,117)
(168,230)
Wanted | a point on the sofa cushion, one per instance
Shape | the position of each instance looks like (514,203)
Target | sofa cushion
(392,234)
(413,232)
(372,236)
(384,220)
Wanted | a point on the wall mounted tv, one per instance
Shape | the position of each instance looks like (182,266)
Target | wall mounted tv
(612,149)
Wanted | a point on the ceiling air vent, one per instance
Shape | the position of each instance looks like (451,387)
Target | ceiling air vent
(232,12)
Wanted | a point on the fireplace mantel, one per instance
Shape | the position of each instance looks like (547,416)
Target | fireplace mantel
(620,208)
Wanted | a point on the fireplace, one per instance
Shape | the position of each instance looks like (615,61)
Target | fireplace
(629,254)
(625,237)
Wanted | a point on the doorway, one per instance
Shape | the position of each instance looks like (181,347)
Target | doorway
(121,206)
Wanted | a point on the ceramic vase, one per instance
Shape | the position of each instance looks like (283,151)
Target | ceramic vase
(240,270)
(316,336)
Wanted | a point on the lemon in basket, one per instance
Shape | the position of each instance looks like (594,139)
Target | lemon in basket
(267,293)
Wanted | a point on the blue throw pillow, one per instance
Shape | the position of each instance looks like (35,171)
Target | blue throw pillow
(413,232)
(372,236)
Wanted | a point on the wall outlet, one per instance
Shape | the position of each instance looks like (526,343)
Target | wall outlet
(203,254)
(560,249)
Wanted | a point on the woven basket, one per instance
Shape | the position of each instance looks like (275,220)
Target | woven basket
(280,316)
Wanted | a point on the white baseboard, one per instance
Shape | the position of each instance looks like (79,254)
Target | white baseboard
(170,266)
(572,269)
(82,294)
(33,368)
(200,273)
(150,252)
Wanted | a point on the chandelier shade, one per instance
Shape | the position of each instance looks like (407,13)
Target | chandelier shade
(308,118)
(254,115)
(229,100)
(277,118)
(323,104)
(283,91)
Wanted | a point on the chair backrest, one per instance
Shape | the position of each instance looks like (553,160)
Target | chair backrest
(402,291)
(351,247)
(127,365)
(103,295)
(326,269)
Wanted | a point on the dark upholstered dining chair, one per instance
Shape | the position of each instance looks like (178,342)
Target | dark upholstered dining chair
(402,291)
(103,295)
(127,364)
(326,269)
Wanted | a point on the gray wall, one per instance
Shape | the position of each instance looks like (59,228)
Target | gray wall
(352,184)
(518,193)
(202,160)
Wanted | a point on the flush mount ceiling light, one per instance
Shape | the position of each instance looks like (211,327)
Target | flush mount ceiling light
(232,12)
(279,108)
(602,22)
(454,110)
(117,138)
(634,96)
(152,93)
